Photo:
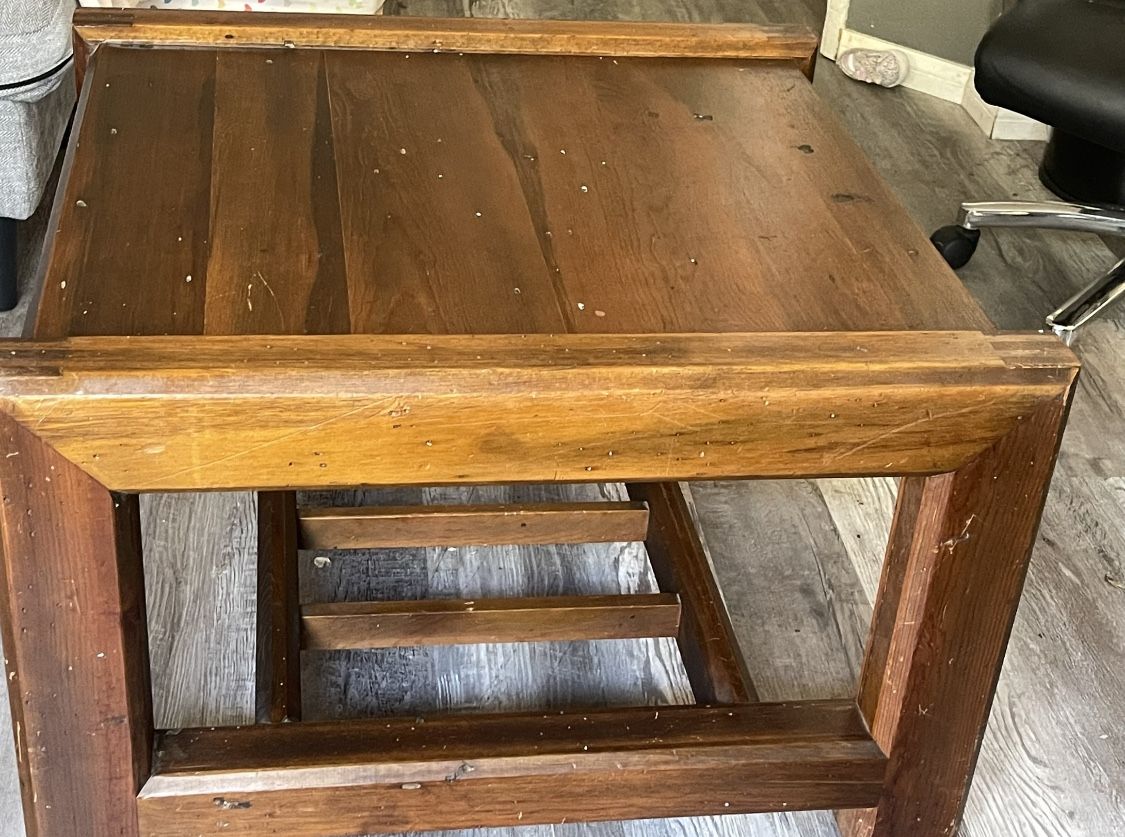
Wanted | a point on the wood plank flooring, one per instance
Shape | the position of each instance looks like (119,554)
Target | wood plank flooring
(798,560)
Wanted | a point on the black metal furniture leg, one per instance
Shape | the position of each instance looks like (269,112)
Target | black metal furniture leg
(9,292)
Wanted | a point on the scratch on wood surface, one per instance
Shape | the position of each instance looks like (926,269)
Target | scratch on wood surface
(270,443)
(464,769)
(230,804)
(280,313)
(47,414)
(951,543)
(900,429)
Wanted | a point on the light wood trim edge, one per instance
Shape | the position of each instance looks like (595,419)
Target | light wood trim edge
(755,351)
(188,413)
(480,35)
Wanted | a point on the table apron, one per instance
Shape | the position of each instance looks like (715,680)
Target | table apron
(172,414)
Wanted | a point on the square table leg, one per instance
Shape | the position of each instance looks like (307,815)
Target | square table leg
(278,676)
(958,554)
(75,641)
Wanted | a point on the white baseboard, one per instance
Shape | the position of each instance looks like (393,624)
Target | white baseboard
(1001,123)
(835,22)
(952,82)
(1010,125)
(981,111)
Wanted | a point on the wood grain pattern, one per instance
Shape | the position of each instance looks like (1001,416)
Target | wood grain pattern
(809,239)
(343,625)
(603,179)
(350,410)
(270,271)
(76,652)
(955,568)
(374,527)
(278,672)
(633,38)
(509,770)
(402,174)
(710,651)
(174,219)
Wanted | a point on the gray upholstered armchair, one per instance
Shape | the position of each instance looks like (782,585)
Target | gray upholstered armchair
(36,99)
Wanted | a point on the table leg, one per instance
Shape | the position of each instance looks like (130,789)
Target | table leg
(955,567)
(72,612)
(278,678)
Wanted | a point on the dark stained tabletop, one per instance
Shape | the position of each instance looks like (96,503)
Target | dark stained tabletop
(309,191)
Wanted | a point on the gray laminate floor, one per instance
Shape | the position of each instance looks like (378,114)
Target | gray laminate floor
(798,560)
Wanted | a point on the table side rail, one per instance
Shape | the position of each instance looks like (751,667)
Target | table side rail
(393,775)
(488,35)
(169,414)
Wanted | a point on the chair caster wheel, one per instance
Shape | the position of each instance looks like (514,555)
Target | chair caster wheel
(956,244)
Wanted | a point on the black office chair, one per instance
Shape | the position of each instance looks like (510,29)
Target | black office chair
(1061,62)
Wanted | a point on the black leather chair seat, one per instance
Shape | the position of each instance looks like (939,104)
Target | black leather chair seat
(1061,62)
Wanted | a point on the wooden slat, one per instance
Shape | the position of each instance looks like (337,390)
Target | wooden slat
(382,104)
(467,621)
(278,626)
(468,525)
(387,776)
(714,663)
(346,410)
(536,37)
(181,206)
(246,251)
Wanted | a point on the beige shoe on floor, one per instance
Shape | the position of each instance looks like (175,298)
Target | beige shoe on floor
(885,67)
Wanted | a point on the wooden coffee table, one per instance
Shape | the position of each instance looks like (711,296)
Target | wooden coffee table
(295,252)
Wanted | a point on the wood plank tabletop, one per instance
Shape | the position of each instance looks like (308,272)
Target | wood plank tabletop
(270,191)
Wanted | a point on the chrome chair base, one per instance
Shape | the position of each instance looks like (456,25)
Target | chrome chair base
(1088,303)
(1044,215)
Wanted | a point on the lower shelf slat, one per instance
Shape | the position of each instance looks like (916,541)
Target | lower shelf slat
(465,771)
(377,527)
(358,625)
